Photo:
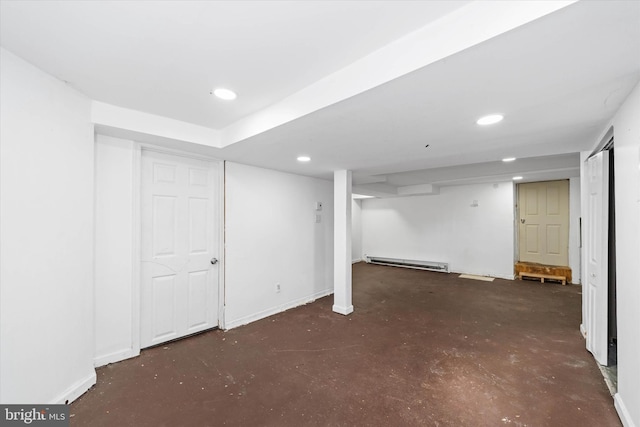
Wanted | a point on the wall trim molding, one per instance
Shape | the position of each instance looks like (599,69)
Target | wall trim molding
(115,356)
(76,390)
(623,412)
(583,331)
(230,324)
(345,311)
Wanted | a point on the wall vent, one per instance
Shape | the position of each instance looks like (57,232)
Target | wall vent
(409,263)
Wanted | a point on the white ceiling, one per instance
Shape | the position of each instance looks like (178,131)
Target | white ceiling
(164,57)
(557,79)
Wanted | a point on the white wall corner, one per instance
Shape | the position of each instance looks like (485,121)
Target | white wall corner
(76,390)
(302,244)
(54,123)
(116,356)
(275,310)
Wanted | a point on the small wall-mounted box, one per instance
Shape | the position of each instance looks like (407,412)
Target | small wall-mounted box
(318,206)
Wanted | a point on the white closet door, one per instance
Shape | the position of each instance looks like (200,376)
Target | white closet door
(178,247)
(596,292)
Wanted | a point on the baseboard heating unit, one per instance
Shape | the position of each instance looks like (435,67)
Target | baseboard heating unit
(409,263)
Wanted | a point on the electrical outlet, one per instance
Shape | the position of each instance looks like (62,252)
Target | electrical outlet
(277,288)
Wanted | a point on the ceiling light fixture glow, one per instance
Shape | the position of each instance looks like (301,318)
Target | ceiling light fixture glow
(490,119)
(517,178)
(226,94)
(508,159)
(304,159)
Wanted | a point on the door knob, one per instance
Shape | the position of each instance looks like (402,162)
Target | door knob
(522,220)
(214,261)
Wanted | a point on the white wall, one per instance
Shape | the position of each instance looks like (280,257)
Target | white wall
(356,230)
(446,228)
(271,237)
(626,131)
(270,226)
(46,199)
(114,250)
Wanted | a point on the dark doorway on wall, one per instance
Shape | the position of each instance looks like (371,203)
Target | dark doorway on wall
(612,333)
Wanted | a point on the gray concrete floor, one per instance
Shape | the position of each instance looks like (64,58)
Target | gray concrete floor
(421,349)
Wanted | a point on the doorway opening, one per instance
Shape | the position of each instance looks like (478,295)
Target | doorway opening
(599,303)
(543,231)
(612,324)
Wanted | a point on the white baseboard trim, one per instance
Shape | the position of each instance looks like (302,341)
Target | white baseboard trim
(583,331)
(114,357)
(76,390)
(343,310)
(230,324)
(353,261)
(623,412)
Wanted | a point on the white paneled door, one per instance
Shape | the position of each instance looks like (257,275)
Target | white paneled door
(179,247)
(596,293)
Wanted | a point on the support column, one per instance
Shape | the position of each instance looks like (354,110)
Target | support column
(342,242)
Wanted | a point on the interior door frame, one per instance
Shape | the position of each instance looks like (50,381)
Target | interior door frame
(136,296)
(517,216)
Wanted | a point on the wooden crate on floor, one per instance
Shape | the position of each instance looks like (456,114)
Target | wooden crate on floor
(541,271)
(543,277)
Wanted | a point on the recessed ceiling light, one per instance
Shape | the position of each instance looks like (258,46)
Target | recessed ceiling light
(517,178)
(225,94)
(508,159)
(304,158)
(490,119)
